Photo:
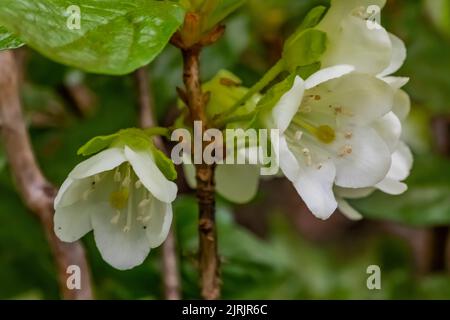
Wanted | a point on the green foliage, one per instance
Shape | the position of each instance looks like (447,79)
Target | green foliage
(97,144)
(426,203)
(109,41)
(305,49)
(223,9)
(8,40)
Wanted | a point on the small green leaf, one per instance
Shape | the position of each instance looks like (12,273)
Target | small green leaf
(271,98)
(164,164)
(222,10)
(8,40)
(97,144)
(305,49)
(311,20)
(114,36)
(225,90)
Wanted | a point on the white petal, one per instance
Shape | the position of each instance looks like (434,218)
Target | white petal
(328,74)
(395,82)
(355,99)
(368,162)
(288,105)
(402,104)
(73,222)
(122,250)
(347,210)
(101,162)
(391,186)
(151,177)
(398,55)
(402,160)
(390,129)
(350,193)
(313,183)
(62,190)
(237,183)
(355,44)
(159,225)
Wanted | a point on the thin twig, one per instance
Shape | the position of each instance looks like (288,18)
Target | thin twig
(171,276)
(37,193)
(209,262)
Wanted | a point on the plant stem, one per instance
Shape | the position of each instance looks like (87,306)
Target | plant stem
(208,258)
(37,193)
(259,86)
(171,275)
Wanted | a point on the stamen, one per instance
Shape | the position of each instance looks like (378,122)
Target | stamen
(298,135)
(348,135)
(117,175)
(86,194)
(115,219)
(346,150)
(129,214)
(307,155)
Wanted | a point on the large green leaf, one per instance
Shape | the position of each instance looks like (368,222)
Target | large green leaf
(426,203)
(8,40)
(115,36)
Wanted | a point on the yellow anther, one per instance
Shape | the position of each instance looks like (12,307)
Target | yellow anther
(325,134)
(119,199)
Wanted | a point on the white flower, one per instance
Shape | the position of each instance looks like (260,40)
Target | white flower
(331,135)
(122,195)
(354,40)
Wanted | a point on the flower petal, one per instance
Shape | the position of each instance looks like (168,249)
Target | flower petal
(313,184)
(390,129)
(366,160)
(350,193)
(122,250)
(328,74)
(151,177)
(398,55)
(355,98)
(402,104)
(288,105)
(237,183)
(347,210)
(74,221)
(352,42)
(391,186)
(159,225)
(101,162)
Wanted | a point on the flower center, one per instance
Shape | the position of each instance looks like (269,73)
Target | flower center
(131,198)
(324,133)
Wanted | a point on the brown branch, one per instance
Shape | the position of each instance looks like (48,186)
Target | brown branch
(37,193)
(171,276)
(209,263)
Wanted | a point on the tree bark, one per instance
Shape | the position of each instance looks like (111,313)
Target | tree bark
(37,193)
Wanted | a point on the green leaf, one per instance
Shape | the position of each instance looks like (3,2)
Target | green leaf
(8,40)
(427,201)
(115,36)
(311,20)
(222,10)
(225,90)
(97,144)
(164,164)
(271,98)
(305,49)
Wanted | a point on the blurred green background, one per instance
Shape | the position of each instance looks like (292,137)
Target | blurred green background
(271,248)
